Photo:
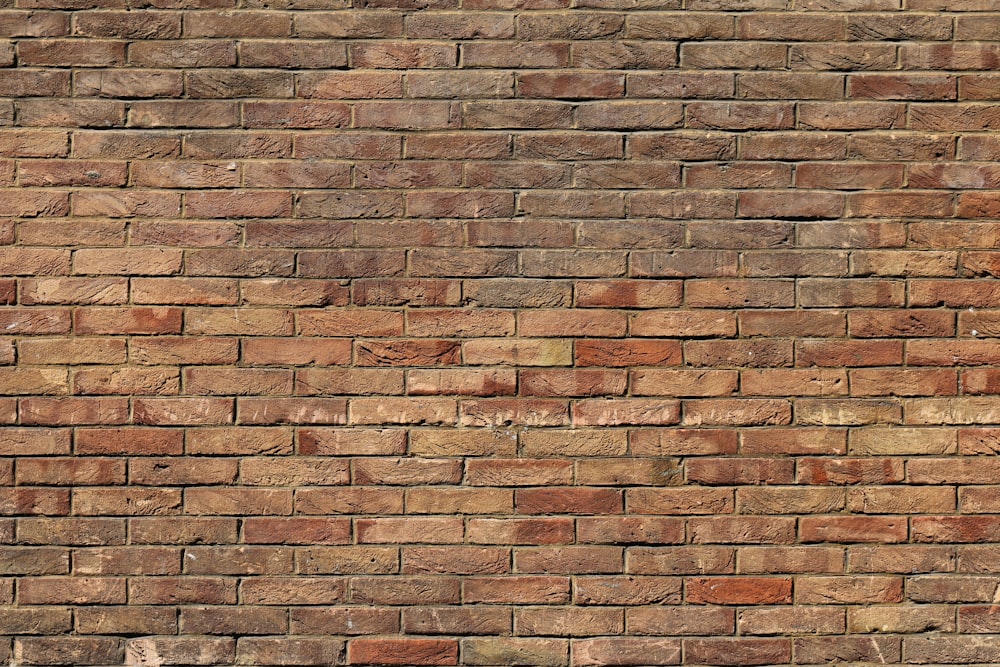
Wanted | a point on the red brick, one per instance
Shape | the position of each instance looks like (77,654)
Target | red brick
(573,204)
(34,501)
(712,55)
(122,83)
(126,502)
(885,324)
(568,501)
(782,85)
(848,352)
(853,529)
(683,382)
(628,353)
(727,590)
(466,383)
(913,204)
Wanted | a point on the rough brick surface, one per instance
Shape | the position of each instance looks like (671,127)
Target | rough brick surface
(499,332)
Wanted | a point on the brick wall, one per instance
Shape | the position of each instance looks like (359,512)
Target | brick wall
(526,332)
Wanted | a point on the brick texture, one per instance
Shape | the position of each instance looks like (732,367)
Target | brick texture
(499,332)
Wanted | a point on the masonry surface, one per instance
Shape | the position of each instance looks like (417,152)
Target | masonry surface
(521,332)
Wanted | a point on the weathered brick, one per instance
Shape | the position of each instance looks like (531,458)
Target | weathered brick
(496,331)
(403,651)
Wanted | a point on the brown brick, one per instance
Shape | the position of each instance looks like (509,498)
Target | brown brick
(34,501)
(40,621)
(851,590)
(816,650)
(403,651)
(739,651)
(655,442)
(73,411)
(132,620)
(789,560)
(679,501)
(848,352)
(686,620)
(900,619)
(75,590)
(244,621)
(562,621)
(517,472)
(183,590)
(167,472)
(182,411)
(800,620)
(343,620)
(442,620)
(364,500)
(348,560)
(120,561)
(67,650)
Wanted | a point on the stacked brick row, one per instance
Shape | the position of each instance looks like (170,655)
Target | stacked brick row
(508,332)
